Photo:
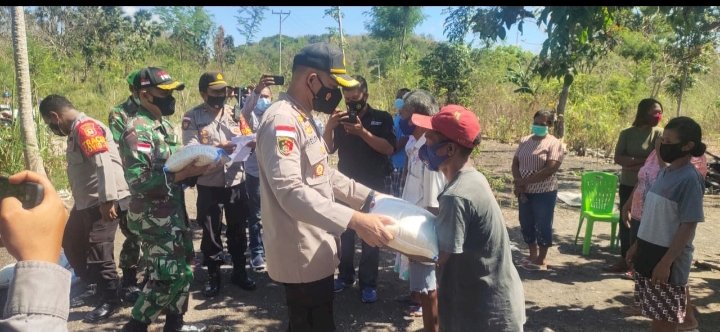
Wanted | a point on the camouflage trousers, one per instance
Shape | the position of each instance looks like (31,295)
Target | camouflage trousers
(166,242)
(130,253)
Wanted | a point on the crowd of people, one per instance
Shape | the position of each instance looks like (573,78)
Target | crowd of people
(298,218)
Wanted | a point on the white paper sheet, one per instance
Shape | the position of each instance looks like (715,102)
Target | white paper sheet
(242,150)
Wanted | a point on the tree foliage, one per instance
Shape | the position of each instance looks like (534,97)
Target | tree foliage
(446,71)
(193,27)
(394,24)
(695,38)
(249,19)
(577,37)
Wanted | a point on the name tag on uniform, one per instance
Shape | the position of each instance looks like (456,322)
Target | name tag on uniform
(375,123)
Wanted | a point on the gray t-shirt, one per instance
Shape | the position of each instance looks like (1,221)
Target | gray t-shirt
(676,197)
(480,289)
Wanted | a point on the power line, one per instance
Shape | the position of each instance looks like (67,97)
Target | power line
(280,20)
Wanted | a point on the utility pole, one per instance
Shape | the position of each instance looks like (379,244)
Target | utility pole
(342,38)
(280,19)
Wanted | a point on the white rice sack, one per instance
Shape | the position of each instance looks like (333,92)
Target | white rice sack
(202,154)
(7,274)
(414,227)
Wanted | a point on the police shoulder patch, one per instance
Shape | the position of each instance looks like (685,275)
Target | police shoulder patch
(91,138)
(285,145)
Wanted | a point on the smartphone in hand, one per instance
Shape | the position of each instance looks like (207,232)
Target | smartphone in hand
(279,80)
(30,194)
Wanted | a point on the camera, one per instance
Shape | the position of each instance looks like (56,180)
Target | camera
(239,90)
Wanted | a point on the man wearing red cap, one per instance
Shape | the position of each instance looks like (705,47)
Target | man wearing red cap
(480,289)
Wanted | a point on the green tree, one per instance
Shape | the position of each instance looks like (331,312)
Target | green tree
(577,38)
(249,19)
(446,71)
(696,38)
(192,26)
(643,38)
(394,24)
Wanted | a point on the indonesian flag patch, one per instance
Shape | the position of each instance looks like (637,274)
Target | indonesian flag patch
(91,138)
(285,139)
(144,147)
(285,131)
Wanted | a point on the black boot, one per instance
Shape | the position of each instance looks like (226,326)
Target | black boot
(135,326)
(83,298)
(242,280)
(175,323)
(130,289)
(109,305)
(104,310)
(212,286)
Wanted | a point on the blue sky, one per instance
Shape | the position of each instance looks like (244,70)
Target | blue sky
(304,20)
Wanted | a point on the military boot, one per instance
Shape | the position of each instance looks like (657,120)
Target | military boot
(241,279)
(175,323)
(130,289)
(135,326)
(212,286)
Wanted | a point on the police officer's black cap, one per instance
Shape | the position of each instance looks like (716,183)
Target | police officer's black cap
(212,80)
(326,57)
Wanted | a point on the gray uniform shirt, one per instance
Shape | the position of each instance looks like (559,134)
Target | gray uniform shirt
(480,289)
(251,165)
(37,299)
(200,126)
(301,220)
(95,169)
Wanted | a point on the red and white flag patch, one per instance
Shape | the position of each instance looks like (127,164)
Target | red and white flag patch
(285,131)
(144,147)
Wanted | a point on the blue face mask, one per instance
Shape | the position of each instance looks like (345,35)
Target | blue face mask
(399,104)
(406,127)
(428,155)
(540,131)
(261,106)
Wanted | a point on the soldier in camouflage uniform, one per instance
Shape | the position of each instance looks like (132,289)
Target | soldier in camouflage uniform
(130,253)
(156,212)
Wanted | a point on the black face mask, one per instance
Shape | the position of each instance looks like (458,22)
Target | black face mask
(216,102)
(325,99)
(55,128)
(357,106)
(165,104)
(672,152)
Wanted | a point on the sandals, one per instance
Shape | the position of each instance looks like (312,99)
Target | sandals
(414,311)
(534,267)
(524,261)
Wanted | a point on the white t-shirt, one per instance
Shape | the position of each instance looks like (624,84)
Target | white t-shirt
(422,186)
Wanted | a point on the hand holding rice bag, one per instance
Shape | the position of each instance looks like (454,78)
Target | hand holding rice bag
(202,155)
(414,227)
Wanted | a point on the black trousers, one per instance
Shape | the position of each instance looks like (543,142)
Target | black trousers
(369,260)
(211,202)
(310,306)
(88,243)
(624,234)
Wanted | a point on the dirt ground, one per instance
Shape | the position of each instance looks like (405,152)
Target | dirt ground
(574,295)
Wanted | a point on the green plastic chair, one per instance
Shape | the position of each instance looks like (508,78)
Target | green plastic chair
(598,204)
